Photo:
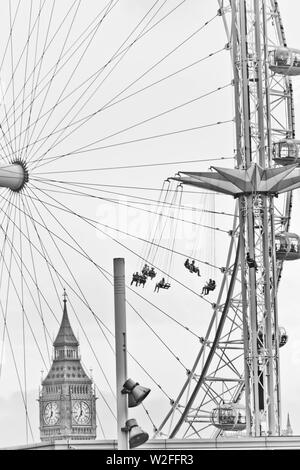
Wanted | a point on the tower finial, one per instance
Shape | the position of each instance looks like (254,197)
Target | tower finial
(288,426)
(65,296)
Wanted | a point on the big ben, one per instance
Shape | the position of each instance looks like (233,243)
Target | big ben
(67,399)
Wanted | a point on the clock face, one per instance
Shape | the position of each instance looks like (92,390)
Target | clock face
(81,412)
(51,413)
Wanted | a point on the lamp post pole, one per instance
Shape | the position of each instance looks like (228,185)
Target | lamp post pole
(121,350)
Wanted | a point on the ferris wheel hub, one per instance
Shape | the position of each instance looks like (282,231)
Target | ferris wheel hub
(14,176)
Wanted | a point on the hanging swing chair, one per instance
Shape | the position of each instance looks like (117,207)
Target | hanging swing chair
(191,267)
(162,285)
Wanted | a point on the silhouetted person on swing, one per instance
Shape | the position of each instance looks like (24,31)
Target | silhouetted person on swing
(194,269)
(209,286)
(145,270)
(191,267)
(142,280)
(160,285)
(251,262)
(152,273)
(135,278)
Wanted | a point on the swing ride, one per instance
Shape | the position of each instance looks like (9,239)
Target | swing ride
(255,187)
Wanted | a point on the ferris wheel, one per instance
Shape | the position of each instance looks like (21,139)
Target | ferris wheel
(88,110)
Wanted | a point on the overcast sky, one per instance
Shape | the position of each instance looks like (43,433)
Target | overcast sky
(88,290)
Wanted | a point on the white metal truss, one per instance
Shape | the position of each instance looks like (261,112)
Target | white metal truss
(238,360)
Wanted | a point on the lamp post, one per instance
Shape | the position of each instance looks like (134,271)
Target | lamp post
(129,392)
(121,350)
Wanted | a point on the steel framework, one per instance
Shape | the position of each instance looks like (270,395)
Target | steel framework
(239,357)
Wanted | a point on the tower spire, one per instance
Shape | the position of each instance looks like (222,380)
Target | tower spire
(65,336)
(289,430)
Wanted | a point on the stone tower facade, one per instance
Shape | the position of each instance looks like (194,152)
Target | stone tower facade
(67,399)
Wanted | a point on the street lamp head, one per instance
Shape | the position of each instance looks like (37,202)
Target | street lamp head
(137,436)
(136,393)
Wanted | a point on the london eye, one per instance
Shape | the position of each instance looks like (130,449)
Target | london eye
(164,133)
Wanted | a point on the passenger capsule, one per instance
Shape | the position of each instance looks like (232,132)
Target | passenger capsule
(283,337)
(286,152)
(287,246)
(285,61)
(229,417)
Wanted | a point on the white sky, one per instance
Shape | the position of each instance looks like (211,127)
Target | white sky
(201,144)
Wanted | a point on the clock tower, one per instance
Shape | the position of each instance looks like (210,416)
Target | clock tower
(67,399)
